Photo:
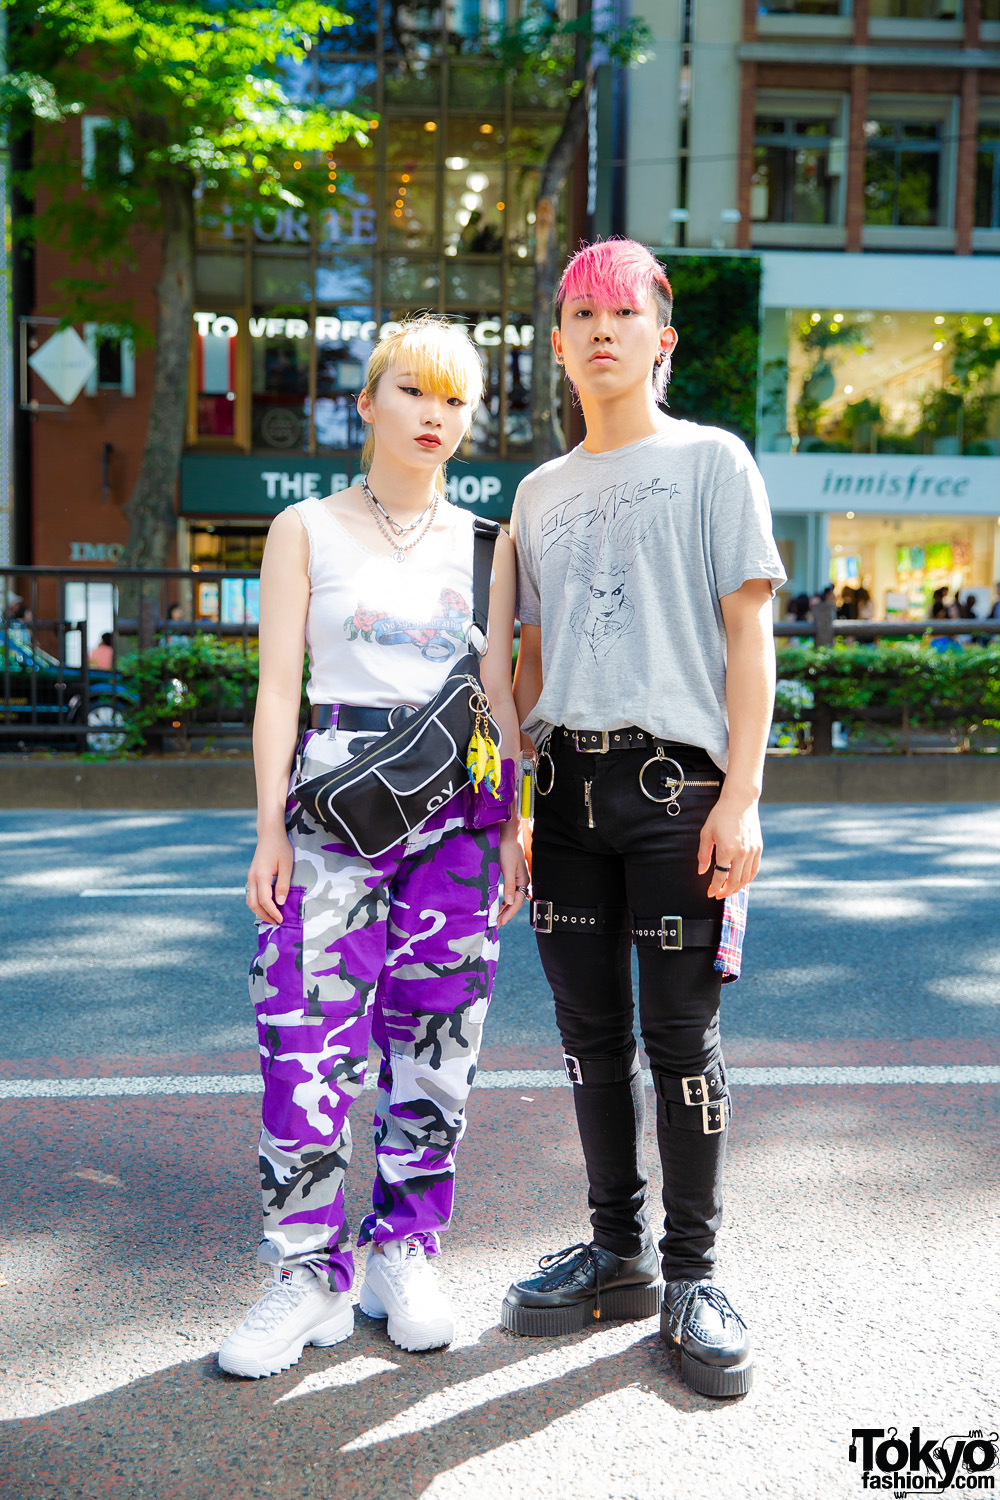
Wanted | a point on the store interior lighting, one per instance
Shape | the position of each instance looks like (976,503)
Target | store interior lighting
(477,181)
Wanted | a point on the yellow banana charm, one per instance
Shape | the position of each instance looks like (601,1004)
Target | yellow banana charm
(493,767)
(471,758)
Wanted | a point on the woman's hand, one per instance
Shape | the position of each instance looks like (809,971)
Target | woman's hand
(514,869)
(269,876)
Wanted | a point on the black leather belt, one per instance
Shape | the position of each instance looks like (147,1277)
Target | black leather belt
(601,741)
(349,716)
(668,933)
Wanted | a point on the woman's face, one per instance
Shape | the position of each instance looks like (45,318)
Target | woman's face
(415,426)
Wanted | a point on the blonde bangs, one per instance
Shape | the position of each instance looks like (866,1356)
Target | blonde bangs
(439,355)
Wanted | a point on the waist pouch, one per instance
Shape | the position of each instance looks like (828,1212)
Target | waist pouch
(389,790)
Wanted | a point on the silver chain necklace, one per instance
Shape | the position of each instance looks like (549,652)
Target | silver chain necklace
(400,549)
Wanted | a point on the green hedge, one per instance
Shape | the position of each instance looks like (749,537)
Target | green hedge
(935,689)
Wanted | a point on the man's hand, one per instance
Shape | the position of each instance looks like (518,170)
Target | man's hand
(732,831)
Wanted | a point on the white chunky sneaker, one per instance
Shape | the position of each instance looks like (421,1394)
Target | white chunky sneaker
(296,1309)
(401,1286)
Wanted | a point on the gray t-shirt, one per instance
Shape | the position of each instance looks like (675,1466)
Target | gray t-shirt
(622,560)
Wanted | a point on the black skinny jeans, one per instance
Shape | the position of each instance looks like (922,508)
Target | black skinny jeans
(639,857)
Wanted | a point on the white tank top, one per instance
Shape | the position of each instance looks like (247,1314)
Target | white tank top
(381,632)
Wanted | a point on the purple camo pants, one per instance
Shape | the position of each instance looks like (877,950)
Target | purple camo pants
(400,950)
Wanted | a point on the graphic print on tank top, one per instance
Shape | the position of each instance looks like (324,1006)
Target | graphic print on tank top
(603,540)
(437,639)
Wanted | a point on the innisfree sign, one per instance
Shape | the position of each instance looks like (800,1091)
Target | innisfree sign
(897,483)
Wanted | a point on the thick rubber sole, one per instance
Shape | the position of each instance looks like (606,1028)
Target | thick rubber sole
(413,1337)
(716,1380)
(621,1304)
(255,1367)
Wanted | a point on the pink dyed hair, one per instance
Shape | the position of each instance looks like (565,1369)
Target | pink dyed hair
(619,273)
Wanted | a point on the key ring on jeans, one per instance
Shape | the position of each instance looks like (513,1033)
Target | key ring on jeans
(675,784)
(544,753)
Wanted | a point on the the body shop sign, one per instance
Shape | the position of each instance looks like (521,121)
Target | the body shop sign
(488,334)
(213,485)
(897,483)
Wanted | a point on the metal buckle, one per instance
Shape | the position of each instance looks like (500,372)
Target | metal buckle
(672,936)
(573,1070)
(701,1086)
(720,1105)
(536,907)
(605,745)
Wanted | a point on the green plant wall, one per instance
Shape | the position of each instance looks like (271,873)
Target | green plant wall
(717,317)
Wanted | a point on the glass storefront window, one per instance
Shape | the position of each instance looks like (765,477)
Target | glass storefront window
(916,10)
(413,29)
(280,341)
(436,210)
(883,382)
(342,84)
(793,179)
(407,279)
(410,80)
(287,279)
(902,172)
(410,192)
(474,203)
(803,8)
(988,177)
(216,354)
(902,560)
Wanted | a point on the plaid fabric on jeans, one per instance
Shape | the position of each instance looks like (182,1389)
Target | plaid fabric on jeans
(729,957)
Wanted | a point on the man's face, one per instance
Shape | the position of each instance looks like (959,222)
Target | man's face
(608,352)
(607,593)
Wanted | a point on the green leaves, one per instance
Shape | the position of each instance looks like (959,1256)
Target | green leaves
(936,689)
(194,98)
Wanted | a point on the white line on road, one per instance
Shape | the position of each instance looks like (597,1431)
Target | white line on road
(165,890)
(804,883)
(513,1078)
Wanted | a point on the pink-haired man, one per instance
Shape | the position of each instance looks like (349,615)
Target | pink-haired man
(645,681)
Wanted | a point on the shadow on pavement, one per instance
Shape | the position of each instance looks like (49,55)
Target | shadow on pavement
(190,1431)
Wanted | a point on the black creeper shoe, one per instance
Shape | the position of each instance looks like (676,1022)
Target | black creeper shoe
(580,1285)
(697,1318)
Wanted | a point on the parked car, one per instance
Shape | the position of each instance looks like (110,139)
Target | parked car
(38,695)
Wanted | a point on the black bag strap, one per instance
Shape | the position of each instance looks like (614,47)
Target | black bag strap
(484,541)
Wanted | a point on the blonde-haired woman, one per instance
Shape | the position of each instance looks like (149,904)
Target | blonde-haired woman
(377,582)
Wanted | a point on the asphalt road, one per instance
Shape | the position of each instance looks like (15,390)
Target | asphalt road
(860,1238)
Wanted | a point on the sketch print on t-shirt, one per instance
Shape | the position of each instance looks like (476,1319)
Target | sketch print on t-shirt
(435,639)
(603,541)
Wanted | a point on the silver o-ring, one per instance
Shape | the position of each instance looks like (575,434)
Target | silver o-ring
(675,784)
(545,754)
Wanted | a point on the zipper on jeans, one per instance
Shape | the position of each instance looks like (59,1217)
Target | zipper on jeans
(688,782)
(588,804)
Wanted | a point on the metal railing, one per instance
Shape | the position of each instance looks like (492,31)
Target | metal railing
(62,685)
(52,693)
(825,628)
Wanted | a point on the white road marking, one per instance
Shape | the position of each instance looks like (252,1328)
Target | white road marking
(98,893)
(148,1085)
(804,884)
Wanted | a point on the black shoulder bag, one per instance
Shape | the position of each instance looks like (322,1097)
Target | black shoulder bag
(388,791)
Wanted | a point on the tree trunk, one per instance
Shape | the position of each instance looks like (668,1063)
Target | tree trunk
(545,425)
(151,509)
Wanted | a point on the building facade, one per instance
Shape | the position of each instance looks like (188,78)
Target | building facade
(436,214)
(855,148)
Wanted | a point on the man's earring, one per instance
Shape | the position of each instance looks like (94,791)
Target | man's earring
(660,358)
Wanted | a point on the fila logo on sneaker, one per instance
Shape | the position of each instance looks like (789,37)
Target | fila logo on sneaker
(287,1274)
(413,1247)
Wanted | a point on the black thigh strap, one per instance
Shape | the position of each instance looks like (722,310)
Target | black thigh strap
(676,932)
(551,916)
(698,1101)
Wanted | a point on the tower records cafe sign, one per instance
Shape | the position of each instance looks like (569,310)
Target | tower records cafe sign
(488,334)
